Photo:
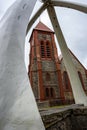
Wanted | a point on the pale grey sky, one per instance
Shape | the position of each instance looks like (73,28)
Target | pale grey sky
(73,24)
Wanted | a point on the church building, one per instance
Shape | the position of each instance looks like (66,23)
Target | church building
(47,73)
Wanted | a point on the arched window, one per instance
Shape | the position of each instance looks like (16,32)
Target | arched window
(66,80)
(47,92)
(48,51)
(48,78)
(52,92)
(81,79)
(45,49)
(42,48)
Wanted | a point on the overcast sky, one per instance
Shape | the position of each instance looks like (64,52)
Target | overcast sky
(73,24)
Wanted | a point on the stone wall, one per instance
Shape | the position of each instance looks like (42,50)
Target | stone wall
(35,84)
(53,78)
(73,117)
(48,65)
(79,67)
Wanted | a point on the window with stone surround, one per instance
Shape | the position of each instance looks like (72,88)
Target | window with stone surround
(48,77)
(49,92)
(45,49)
(48,50)
(42,47)
(66,80)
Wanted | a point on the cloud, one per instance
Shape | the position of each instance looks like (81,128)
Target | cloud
(73,25)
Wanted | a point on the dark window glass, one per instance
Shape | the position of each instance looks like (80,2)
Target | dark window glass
(45,49)
(47,92)
(48,77)
(42,50)
(52,92)
(66,79)
(48,51)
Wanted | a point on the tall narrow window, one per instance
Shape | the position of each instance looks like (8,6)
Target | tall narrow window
(47,92)
(45,49)
(52,92)
(42,49)
(66,80)
(48,51)
(48,76)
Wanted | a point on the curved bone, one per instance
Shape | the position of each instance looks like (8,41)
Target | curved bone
(36,15)
(18,109)
(79,94)
(66,4)
(72,5)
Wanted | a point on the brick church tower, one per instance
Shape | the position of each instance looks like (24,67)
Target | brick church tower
(44,68)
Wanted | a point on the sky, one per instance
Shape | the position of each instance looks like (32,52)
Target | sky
(73,24)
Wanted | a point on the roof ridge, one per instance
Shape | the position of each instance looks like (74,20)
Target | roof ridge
(42,26)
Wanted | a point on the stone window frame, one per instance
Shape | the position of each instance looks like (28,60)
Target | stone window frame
(48,76)
(49,92)
(42,49)
(48,49)
(66,81)
(45,49)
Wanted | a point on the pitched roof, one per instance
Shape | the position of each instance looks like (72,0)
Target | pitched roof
(42,27)
(61,58)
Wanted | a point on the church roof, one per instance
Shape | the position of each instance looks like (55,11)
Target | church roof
(42,27)
(61,58)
